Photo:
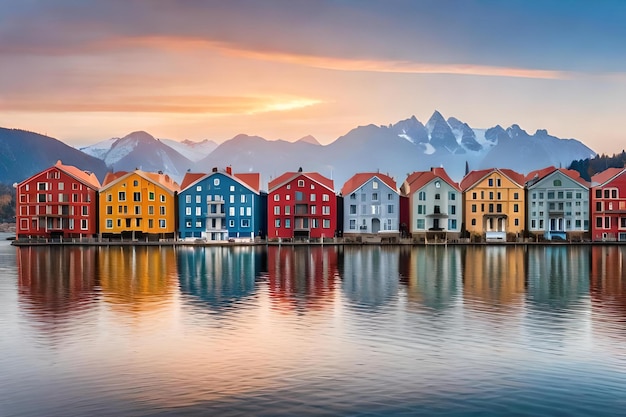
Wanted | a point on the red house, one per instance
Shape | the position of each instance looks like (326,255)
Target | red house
(301,205)
(608,205)
(58,202)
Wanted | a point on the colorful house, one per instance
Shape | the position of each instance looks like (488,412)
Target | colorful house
(59,202)
(608,205)
(301,205)
(493,203)
(435,204)
(138,205)
(371,205)
(557,204)
(221,205)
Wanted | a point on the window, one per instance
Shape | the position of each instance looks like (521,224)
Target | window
(162,223)
(599,222)
(437,184)
(375,185)
(41,198)
(109,224)
(389,208)
(299,196)
(437,196)
(151,210)
(231,211)
(277,223)
(606,193)
(579,195)
(499,196)
(533,223)
(136,196)
(248,211)
(137,210)
(420,224)
(150,223)
(188,223)
(498,208)
(198,211)
(568,195)
(276,197)
(287,223)
(61,186)
(490,195)
(242,211)
(451,224)
(162,197)
(556,183)
(598,193)
(613,193)
(498,183)
(162,210)
(352,224)
(375,209)
(389,197)
(452,209)
(559,194)
(277,210)
(607,222)
(188,199)
(451,195)
(491,182)
(313,197)
(198,224)
(473,196)
(491,208)
(198,199)
(246,223)
(353,196)
(325,197)
(352,208)
(121,196)
(198,188)
(300,183)
(231,199)
(473,208)
(232,188)
(516,222)
(515,208)
(473,222)
(109,209)
(325,209)
(314,224)
(374,197)
(109,197)
(231,223)
(421,196)
(326,224)
(151,196)
(313,209)
(216,182)
(599,206)
(550,195)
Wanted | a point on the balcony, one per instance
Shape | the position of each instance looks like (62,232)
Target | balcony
(216,214)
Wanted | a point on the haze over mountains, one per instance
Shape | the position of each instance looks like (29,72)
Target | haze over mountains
(397,149)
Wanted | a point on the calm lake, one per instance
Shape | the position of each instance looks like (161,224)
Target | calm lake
(308,331)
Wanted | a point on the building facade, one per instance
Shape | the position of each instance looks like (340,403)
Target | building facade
(221,206)
(138,205)
(608,205)
(494,203)
(557,204)
(371,205)
(59,202)
(435,204)
(301,205)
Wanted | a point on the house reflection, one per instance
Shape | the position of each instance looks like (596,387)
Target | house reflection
(56,281)
(137,278)
(302,277)
(432,275)
(557,276)
(493,276)
(219,276)
(370,274)
(608,290)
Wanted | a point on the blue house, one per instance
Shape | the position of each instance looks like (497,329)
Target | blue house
(222,206)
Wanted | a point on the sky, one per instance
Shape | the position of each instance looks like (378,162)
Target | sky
(85,71)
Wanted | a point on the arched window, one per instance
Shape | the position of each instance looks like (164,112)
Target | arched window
(557,183)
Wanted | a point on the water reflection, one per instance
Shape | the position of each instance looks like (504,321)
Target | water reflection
(135,279)
(219,277)
(494,275)
(369,274)
(432,275)
(608,292)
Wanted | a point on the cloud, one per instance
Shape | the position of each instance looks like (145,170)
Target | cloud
(216,105)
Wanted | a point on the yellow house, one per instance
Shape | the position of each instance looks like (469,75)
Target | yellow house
(494,203)
(138,205)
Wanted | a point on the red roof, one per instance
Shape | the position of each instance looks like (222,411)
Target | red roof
(190,178)
(474,177)
(417,180)
(359,179)
(289,176)
(252,179)
(606,175)
(87,178)
(540,174)
(163,180)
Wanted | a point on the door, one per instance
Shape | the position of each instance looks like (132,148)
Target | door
(375,225)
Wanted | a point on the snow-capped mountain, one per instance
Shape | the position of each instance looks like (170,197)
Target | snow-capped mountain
(140,150)
(194,151)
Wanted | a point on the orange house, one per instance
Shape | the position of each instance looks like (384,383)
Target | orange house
(138,205)
(493,203)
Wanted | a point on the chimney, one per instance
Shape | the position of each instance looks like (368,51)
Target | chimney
(229,170)
(214,169)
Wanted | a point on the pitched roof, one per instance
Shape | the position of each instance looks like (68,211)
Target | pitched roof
(163,180)
(473,177)
(252,179)
(417,180)
(289,176)
(87,178)
(605,176)
(540,174)
(357,180)
(190,178)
